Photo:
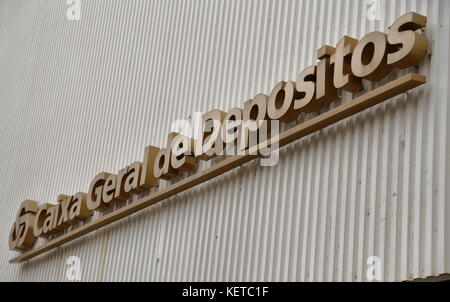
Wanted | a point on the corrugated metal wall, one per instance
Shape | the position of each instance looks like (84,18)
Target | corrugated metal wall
(81,97)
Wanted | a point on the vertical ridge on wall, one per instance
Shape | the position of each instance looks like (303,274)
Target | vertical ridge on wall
(81,97)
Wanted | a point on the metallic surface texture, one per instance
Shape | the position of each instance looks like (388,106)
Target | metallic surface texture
(81,97)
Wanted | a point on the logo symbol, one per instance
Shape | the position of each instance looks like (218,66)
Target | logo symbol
(21,236)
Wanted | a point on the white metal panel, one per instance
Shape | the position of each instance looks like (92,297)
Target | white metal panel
(78,98)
